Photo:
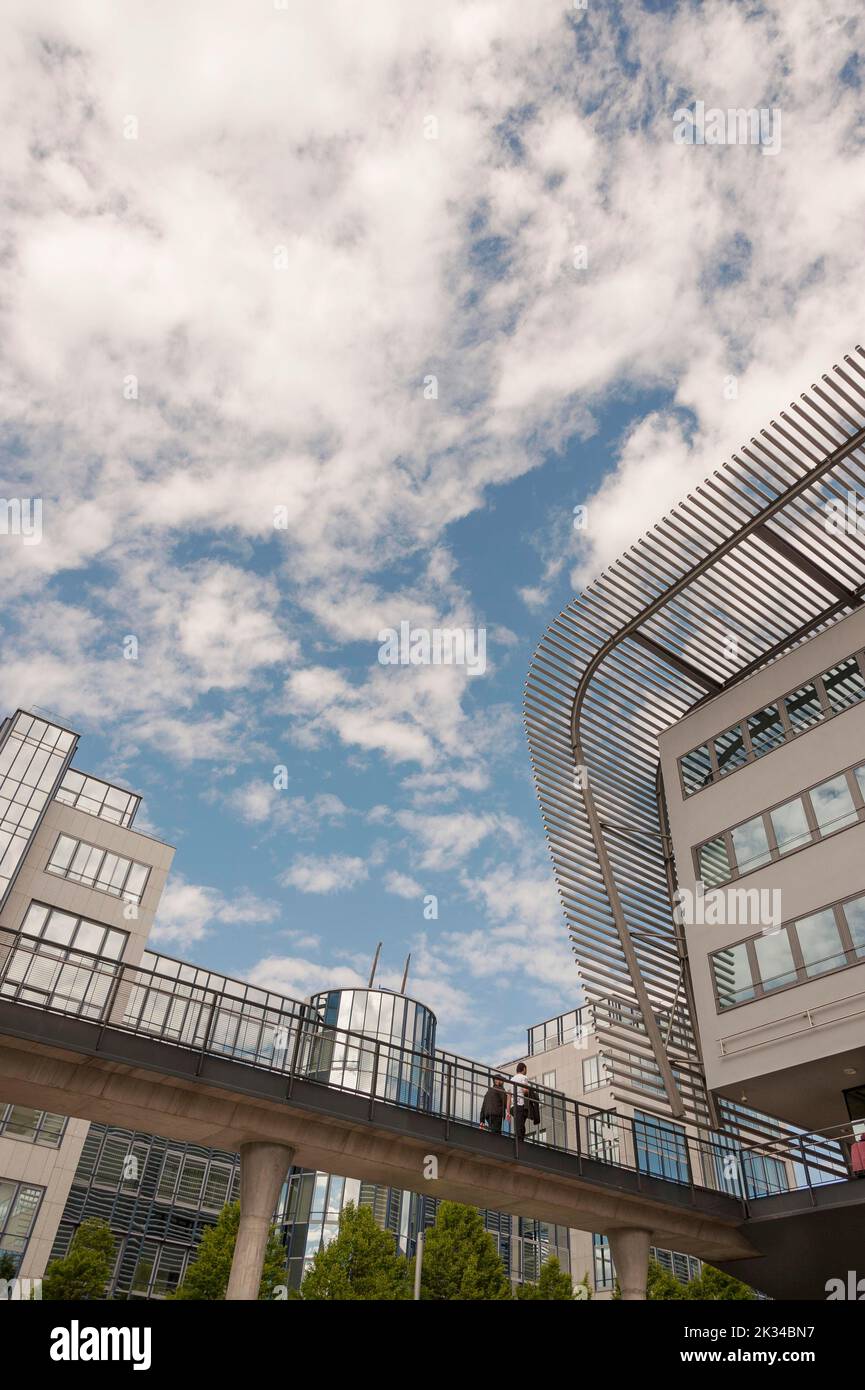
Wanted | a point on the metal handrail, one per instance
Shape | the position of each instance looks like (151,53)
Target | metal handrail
(387,1072)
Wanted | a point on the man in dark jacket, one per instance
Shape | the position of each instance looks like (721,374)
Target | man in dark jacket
(495,1103)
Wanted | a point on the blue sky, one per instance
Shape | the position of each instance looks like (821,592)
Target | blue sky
(239,240)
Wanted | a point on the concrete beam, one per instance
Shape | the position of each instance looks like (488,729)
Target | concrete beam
(375,1150)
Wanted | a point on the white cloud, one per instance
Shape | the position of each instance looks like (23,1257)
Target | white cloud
(403,885)
(190,911)
(324,874)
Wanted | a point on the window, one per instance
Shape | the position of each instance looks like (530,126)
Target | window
(766,729)
(833,805)
(593,1075)
(775,960)
(714,862)
(19,1207)
(732,970)
(97,798)
(790,825)
(844,685)
(803,708)
(751,845)
(32,758)
(820,943)
(854,914)
(603,1263)
(32,1126)
(696,770)
(548,1079)
(72,966)
(80,862)
(730,750)
(661,1148)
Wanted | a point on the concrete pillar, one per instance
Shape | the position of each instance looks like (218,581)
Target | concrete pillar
(263,1168)
(630,1252)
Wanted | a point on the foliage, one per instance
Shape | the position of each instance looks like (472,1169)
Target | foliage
(360,1263)
(206,1279)
(86,1269)
(460,1260)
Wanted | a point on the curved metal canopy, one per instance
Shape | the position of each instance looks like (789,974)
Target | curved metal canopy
(747,555)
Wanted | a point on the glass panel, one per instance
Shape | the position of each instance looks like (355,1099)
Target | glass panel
(60,927)
(803,707)
(216,1188)
(751,845)
(23,1122)
(730,750)
(766,730)
(820,942)
(89,937)
(191,1181)
(134,885)
(833,805)
(775,960)
(732,972)
(62,853)
(714,863)
(845,685)
(790,825)
(696,770)
(854,911)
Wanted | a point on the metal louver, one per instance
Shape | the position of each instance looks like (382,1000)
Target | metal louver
(747,553)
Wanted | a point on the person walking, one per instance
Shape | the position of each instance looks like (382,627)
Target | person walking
(494,1105)
(517,1100)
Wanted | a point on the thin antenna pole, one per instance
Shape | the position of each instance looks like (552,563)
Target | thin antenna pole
(374,965)
(405,973)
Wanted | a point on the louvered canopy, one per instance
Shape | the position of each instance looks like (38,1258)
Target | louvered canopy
(747,554)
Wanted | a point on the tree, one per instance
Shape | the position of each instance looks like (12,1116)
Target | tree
(713,1284)
(360,1263)
(206,1279)
(86,1269)
(661,1284)
(8,1267)
(460,1259)
(553,1283)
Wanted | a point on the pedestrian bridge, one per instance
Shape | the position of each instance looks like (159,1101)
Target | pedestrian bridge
(127,1045)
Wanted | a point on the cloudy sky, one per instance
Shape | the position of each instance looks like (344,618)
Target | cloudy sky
(318,317)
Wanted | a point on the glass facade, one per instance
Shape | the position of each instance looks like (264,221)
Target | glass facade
(398,1038)
(74,965)
(33,756)
(93,867)
(571,1027)
(98,798)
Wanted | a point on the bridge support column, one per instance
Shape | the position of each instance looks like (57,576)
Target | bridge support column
(263,1168)
(630,1252)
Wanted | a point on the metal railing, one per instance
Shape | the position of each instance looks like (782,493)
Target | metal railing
(293,1041)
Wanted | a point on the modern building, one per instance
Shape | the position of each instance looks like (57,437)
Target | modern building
(697,730)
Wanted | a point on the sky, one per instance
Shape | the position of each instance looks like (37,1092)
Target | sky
(318,318)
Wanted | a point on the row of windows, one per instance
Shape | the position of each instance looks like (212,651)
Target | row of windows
(814,945)
(33,1126)
(768,728)
(19,1207)
(80,862)
(31,760)
(97,798)
(63,973)
(555,1032)
(813,815)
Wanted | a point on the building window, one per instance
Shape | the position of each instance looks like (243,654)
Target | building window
(194,1181)
(548,1079)
(775,960)
(19,1207)
(86,864)
(732,969)
(751,845)
(33,1126)
(31,761)
(790,825)
(75,970)
(661,1148)
(820,943)
(97,798)
(714,862)
(821,698)
(833,805)
(603,1264)
(593,1073)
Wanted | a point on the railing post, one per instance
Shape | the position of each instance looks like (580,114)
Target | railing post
(295,1053)
(579,1141)
(690,1169)
(376,1053)
(636,1154)
(109,1004)
(807,1171)
(448,1097)
(206,1039)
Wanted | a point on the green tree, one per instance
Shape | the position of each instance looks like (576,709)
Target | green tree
(460,1259)
(553,1283)
(86,1269)
(713,1284)
(206,1279)
(360,1263)
(661,1284)
(8,1266)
